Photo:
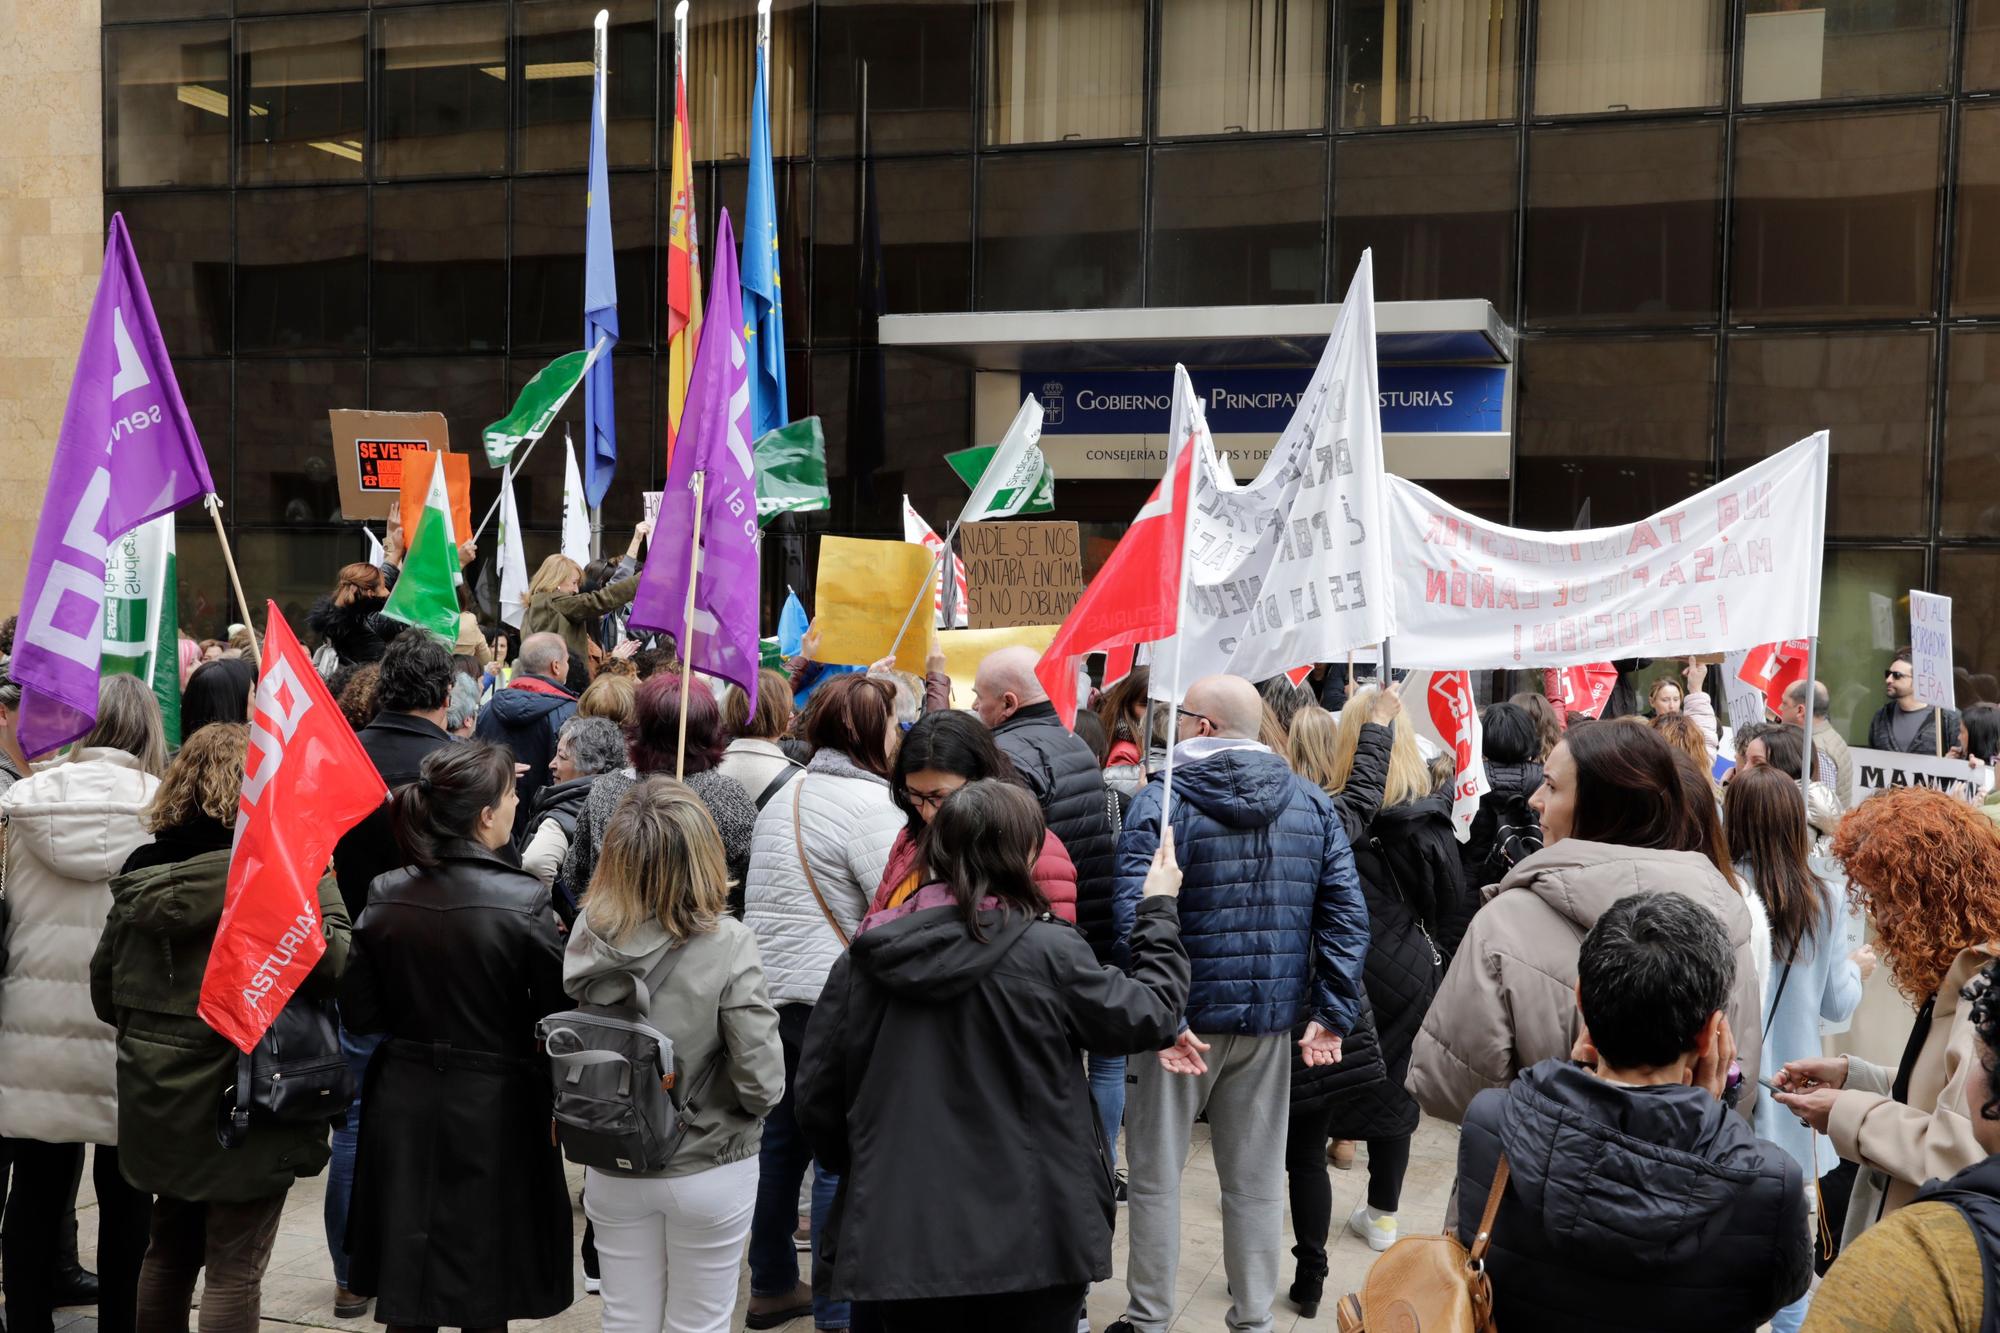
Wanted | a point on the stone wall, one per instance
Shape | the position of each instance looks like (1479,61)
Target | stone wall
(51,246)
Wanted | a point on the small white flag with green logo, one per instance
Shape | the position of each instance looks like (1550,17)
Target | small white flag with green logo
(426,594)
(142,616)
(576,515)
(1017,474)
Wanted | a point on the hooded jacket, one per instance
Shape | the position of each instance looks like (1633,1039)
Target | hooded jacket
(69,830)
(525,718)
(359,632)
(1271,909)
(715,1007)
(934,1059)
(1635,1208)
(1509,996)
(1510,783)
(1063,774)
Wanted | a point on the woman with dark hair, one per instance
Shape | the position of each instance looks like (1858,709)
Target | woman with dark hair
(947,1048)
(1979,744)
(350,617)
(1621,813)
(651,743)
(1504,829)
(818,853)
(1783,748)
(460,1216)
(218,691)
(1548,727)
(1123,711)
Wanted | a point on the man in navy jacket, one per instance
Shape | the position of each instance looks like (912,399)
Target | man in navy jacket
(1276,929)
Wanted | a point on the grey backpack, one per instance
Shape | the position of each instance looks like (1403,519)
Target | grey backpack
(613,1074)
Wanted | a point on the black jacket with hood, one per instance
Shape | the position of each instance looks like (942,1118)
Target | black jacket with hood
(942,1079)
(1512,785)
(359,632)
(1059,768)
(526,718)
(1631,1208)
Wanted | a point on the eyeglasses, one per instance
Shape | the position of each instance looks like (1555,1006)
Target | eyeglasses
(1896,675)
(927,800)
(1199,717)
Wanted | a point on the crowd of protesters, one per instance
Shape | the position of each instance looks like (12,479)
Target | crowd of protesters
(948,986)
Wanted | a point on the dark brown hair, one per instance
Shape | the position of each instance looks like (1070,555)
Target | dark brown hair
(855,715)
(1635,790)
(1126,695)
(454,784)
(1766,813)
(981,844)
(1548,728)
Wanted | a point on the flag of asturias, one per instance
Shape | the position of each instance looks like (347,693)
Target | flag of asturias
(763,296)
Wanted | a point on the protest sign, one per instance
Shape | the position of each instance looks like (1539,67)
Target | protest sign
(1732,567)
(368,449)
(963,650)
(1746,701)
(864,588)
(1882,621)
(1293,566)
(1930,650)
(1020,573)
(1879,770)
(415,471)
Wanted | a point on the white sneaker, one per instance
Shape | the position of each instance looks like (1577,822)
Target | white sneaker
(592,1285)
(1379,1232)
(1083,1326)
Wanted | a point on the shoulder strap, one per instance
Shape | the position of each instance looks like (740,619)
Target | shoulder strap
(656,974)
(784,775)
(799,846)
(1776,996)
(1480,1242)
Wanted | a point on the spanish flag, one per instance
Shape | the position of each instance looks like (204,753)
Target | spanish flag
(683,270)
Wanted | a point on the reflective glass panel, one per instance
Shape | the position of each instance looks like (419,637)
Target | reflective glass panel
(440,268)
(1795,52)
(1851,656)
(302,271)
(1419,62)
(1438,210)
(285,441)
(913,61)
(304,112)
(1969,505)
(441,91)
(1242,66)
(166,106)
(1968,578)
(1975,261)
(1060,231)
(183,244)
(1982,45)
(547,274)
(1594,56)
(1238,223)
(794,185)
(722,74)
(551,74)
(918,253)
(1064,69)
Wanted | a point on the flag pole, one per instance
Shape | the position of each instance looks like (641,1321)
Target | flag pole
(930,584)
(1806,774)
(1180,616)
(214,505)
(521,460)
(602,24)
(686,645)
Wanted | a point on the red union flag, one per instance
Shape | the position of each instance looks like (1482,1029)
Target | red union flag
(1774,667)
(1448,713)
(306,781)
(1583,690)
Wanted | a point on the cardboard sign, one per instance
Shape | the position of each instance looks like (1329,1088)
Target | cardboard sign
(1930,650)
(368,449)
(416,474)
(1879,770)
(1020,573)
(964,649)
(865,589)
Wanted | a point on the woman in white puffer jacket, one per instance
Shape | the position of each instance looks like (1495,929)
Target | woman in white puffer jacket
(839,818)
(70,827)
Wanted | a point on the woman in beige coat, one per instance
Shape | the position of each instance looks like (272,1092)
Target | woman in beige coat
(1927,868)
(1619,816)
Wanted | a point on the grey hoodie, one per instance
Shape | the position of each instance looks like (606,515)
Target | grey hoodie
(713,1004)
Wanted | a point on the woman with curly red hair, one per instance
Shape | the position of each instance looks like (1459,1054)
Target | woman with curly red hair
(1927,868)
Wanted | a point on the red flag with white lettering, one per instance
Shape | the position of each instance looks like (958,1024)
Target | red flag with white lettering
(306,781)
(1454,718)
(1583,690)
(1774,667)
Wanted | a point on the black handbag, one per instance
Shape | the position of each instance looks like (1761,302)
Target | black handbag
(296,1074)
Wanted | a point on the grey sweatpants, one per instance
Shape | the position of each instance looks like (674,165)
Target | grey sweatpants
(1247,1094)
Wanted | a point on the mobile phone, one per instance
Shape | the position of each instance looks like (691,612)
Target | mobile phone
(1767,1085)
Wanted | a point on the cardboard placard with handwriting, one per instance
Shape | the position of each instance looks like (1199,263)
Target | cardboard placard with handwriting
(416,468)
(1020,573)
(368,449)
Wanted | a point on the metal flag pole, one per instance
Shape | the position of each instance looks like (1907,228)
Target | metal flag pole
(1811,684)
(686,645)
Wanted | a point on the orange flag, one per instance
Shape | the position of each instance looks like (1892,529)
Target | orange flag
(683,271)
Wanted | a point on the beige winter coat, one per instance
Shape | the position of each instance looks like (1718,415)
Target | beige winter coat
(1509,998)
(69,829)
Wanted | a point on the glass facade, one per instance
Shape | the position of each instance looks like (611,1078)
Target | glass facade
(1717,224)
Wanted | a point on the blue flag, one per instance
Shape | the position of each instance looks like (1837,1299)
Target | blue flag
(763,297)
(600,307)
(792,625)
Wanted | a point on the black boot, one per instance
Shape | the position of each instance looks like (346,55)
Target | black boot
(75,1285)
(1309,1286)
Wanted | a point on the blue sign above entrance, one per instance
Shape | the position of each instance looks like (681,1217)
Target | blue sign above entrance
(1416,400)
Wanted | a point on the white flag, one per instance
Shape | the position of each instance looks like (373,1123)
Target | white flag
(513,560)
(576,517)
(375,551)
(916,530)
(1293,567)
(1012,474)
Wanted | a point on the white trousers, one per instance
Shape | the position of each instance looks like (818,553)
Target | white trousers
(692,1227)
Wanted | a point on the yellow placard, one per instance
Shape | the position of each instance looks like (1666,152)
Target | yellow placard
(864,592)
(964,648)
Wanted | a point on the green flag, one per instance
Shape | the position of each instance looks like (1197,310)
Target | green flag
(769,654)
(426,595)
(970,465)
(791,470)
(142,616)
(541,398)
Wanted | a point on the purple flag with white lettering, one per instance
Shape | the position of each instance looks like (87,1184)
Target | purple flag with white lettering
(714,439)
(127,453)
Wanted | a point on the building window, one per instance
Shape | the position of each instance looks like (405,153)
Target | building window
(1836,216)
(1238,223)
(286,442)
(547,270)
(1061,231)
(130,11)
(722,74)
(1982,45)
(469,391)
(208,388)
(1622,425)
(303,115)
(166,106)
(920,230)
(794,183)
(1851,651)
(903,66)
(183,244)
(1797,52)
(1419,62)
(1242,66)
(552,77)
(440,268)
(1975,266)
(1064,69)
(1623,224)
(302,272)
(1873,390)
(441,91)
(1967,577)
(1628,55)
(1969,500)
(1438,210)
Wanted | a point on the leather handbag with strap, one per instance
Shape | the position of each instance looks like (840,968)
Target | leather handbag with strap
(1429,1284)
(799,845)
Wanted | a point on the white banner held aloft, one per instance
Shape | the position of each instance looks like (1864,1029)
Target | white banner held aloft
(1732,567)
(1879,770)
(1292,567)
(1930,650)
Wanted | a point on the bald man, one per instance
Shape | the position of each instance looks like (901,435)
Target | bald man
(1277,930)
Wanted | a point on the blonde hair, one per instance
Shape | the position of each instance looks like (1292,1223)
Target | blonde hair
(557,570)
(611,695)
(205,778)
(128,719)
(1322,750)
(661,861)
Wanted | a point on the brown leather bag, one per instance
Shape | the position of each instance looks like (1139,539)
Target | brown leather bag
(1429,1284)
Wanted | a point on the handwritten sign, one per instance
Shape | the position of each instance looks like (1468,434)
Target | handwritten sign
(1930,650)
(1879,770)
(1020,573)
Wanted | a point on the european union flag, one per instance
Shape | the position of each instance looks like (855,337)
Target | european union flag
(763,297)
(600,306)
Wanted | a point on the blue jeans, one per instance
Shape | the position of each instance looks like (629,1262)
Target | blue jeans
(340,1171)
(1107,1089)
(781,1165)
